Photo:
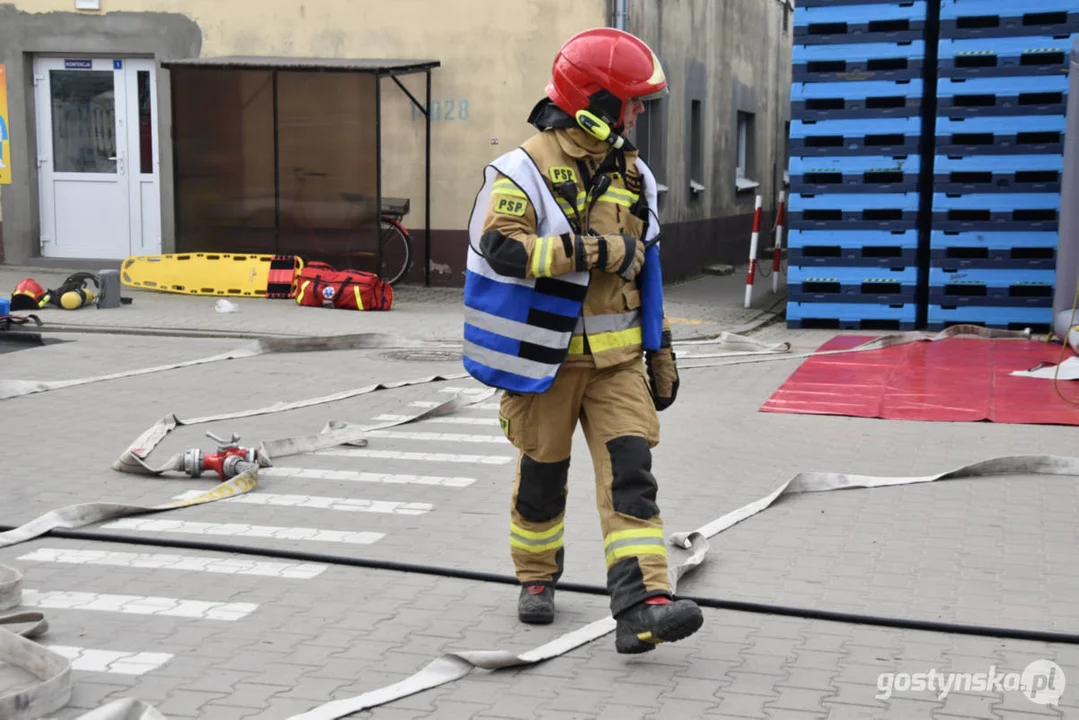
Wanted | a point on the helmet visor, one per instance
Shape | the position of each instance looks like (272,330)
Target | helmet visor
(657,95)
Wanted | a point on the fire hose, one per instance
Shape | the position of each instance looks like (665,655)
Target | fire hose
(739,349)
(54,671)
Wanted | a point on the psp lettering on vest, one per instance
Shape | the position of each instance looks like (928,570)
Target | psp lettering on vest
(509,206)
(561,174)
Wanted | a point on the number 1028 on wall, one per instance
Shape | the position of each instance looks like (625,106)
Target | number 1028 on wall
(444,110)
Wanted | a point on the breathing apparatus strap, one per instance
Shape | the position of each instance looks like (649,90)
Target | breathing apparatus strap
(75,283)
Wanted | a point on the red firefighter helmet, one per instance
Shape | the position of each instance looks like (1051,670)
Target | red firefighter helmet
(601,70)
(27,295)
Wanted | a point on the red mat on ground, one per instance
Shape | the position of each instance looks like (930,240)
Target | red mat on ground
(953,380)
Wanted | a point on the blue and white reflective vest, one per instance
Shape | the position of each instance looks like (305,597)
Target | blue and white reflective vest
(517,330)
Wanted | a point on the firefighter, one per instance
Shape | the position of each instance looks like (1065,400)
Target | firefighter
(564,313)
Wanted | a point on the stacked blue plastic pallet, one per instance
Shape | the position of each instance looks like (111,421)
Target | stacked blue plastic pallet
(856,106)
(1003,90)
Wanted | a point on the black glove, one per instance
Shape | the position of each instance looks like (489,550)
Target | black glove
(662,374)
(622,255)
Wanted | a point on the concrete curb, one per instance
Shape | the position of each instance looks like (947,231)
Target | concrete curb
(765,317)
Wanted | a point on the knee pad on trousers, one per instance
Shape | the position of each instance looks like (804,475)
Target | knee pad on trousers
(633,487)
(625,584)
(541,494)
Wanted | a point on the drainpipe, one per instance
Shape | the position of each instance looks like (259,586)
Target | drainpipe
(620,14)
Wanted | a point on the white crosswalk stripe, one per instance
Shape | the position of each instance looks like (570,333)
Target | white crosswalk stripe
(244,530)
(137,604)
(419,456)
(477,406)
(438,437)
(319,502)
(369,477)
(111,661)
(169,561)
(447,420)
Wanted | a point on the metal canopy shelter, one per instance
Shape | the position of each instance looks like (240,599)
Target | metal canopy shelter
(392,68)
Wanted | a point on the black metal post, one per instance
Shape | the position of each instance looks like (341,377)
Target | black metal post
(427,191)
(176,212)
(276,173)
(378,166)
(927,149)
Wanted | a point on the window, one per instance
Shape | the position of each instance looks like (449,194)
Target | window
(651,141)
(696,149)
(746,162)
(650,138)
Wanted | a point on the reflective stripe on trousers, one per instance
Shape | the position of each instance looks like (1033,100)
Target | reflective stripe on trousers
(631,543)
(537,542)
(607,332)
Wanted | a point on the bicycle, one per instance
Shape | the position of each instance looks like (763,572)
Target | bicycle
(394,237)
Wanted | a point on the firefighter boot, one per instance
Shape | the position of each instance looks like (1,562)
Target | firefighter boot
(641,627)
(535,606)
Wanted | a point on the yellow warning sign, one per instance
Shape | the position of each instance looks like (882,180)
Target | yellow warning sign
(5,134)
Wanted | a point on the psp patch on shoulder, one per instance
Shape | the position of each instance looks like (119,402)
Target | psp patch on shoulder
(561,174)
(510,206)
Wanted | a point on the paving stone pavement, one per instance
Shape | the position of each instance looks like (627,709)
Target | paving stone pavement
(218,634)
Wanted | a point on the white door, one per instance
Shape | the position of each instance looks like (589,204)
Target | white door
(97,157)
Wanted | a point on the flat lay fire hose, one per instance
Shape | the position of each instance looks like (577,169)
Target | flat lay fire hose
(740,348)
(263,346)
(54,672)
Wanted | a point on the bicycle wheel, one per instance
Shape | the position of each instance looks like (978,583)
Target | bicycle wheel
(396,250)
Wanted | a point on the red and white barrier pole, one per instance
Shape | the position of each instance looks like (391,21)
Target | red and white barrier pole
(753,251)
(781,218)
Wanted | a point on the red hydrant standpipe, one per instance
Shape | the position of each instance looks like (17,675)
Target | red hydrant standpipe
(229,461)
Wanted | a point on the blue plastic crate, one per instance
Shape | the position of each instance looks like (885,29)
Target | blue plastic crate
(1004,18)
(991,287)
(839,100)
(831,284)
(856,174)
(892,136)
(851,316)
(852,248)
(996,212)
(994,250)
(1015,96)
(1023,56)
(1039,320)
(897,21)
(859,211)
(858,61)
(998,174)
(1030,135)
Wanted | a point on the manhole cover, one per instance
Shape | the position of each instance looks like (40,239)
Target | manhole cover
(423,355)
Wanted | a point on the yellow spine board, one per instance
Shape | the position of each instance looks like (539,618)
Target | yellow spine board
(223,274)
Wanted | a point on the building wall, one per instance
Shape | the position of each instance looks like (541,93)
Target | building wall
(730,56)
(28,29)
(495,59)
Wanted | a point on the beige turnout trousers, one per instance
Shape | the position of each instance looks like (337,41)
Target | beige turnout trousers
(619,421)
